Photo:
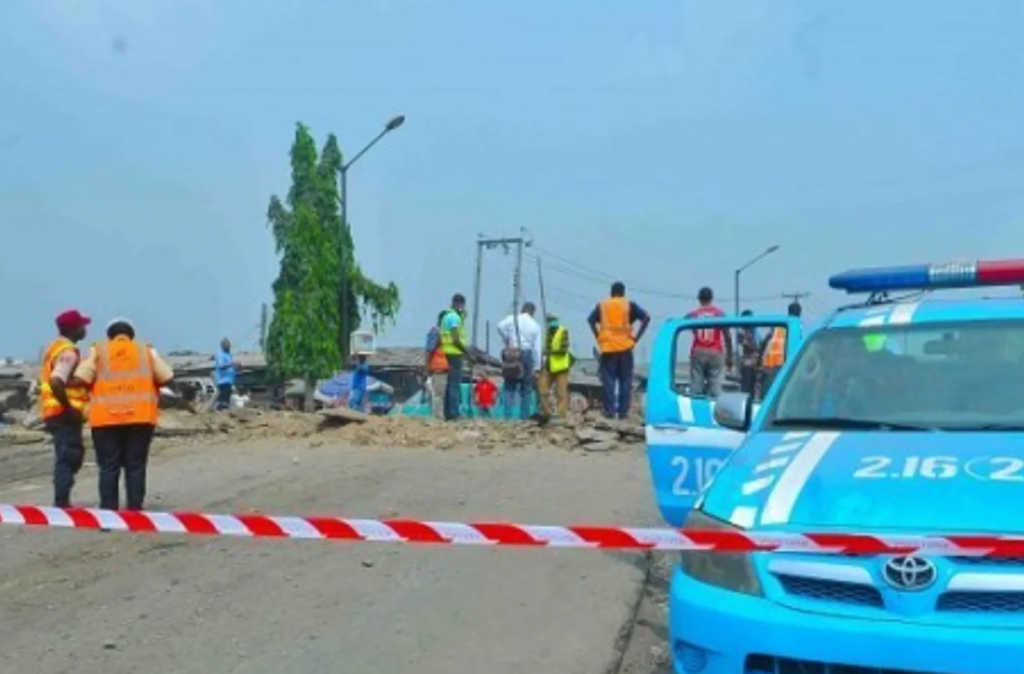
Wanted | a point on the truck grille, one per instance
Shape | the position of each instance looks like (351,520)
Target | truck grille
(831,590)
(989,561)
(982,602)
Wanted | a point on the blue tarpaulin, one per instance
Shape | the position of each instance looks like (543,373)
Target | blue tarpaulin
(337,389)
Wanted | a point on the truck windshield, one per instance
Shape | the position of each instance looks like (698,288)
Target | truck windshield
(949,377)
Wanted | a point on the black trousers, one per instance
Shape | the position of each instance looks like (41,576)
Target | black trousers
(453,389)
(122,448)
(224,396)
(748,379)
(617,381)
(68,455)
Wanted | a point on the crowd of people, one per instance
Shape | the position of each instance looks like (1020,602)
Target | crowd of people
(536,357)
(115,385)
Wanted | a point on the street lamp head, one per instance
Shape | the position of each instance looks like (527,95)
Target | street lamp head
(394,123)
(773,248)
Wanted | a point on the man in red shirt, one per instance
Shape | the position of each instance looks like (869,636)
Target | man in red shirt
(711,353)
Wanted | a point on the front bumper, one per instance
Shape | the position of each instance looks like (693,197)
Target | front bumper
(714,631)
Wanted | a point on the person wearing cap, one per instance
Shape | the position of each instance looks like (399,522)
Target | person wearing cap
(453,344)
(125,377)
(62,403)
(554,374)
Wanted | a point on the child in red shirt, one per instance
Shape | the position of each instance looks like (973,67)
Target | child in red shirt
(485,395)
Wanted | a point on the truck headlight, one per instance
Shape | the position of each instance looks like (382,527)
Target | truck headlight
(729,571)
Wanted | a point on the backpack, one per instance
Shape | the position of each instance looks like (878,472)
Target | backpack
(511,364)
(433,339)
(437,361)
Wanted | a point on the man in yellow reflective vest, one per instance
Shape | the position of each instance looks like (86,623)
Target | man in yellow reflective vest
(453,344)
(612,324)
(555,371)
(774,350)
(62,403)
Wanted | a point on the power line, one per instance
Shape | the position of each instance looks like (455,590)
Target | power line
(580,272)
(796,297)
(604,277)
(483,243)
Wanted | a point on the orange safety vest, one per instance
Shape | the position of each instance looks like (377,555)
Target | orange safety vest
(775,354)
(616,332)
(124,390)
(78,395)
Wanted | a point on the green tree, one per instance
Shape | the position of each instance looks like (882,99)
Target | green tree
(317,254)
(364,296)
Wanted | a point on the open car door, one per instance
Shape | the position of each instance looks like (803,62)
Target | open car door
(685,446)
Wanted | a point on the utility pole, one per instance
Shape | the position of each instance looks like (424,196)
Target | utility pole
(795,297)
(476,288)
(506,244)
(543,301)
(263,328)
(517,288)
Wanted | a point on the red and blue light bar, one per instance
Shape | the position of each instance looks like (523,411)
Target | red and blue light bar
(931,276)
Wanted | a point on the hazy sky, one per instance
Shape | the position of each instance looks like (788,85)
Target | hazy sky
(662,142)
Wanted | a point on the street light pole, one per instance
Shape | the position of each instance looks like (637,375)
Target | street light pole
(392,124)
(736,281)
(736,277)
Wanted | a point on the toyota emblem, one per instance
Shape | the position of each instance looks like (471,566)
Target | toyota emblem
(910,574)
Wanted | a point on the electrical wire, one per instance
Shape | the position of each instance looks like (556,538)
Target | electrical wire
(567,267)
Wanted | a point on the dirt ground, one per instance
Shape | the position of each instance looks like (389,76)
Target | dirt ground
(89,602)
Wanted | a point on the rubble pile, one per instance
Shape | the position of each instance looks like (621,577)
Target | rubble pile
(20,424)
(590,433)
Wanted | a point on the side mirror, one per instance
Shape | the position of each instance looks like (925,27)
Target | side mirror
(733,410)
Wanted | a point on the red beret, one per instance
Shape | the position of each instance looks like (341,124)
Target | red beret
(72,320)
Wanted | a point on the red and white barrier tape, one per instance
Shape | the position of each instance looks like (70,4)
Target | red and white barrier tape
(528,535)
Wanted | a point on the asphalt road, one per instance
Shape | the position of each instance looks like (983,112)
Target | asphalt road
(86,602)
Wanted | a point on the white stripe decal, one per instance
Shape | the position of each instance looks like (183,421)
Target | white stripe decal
(760,484)
(686,409)
(903,313)
(744,517)
(771,464)
(694,436)
(871,321)
(796,435)
(779,506)
(786,448)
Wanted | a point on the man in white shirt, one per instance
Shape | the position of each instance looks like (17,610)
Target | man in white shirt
(524,333)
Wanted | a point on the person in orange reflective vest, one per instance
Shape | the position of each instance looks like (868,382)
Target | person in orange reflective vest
(62,403)
(774,351)
(612,324)
(125,377)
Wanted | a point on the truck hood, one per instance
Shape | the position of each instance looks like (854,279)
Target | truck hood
(865,481)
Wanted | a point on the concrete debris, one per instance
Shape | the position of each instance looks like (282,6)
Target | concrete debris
(601,446)
(488,434)
(14,399)
(13,435)
(587,435)
(592,433)
(343,415)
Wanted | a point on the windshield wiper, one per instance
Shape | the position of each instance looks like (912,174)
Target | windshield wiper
(846,423)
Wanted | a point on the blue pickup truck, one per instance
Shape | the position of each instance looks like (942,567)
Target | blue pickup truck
(896,415)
